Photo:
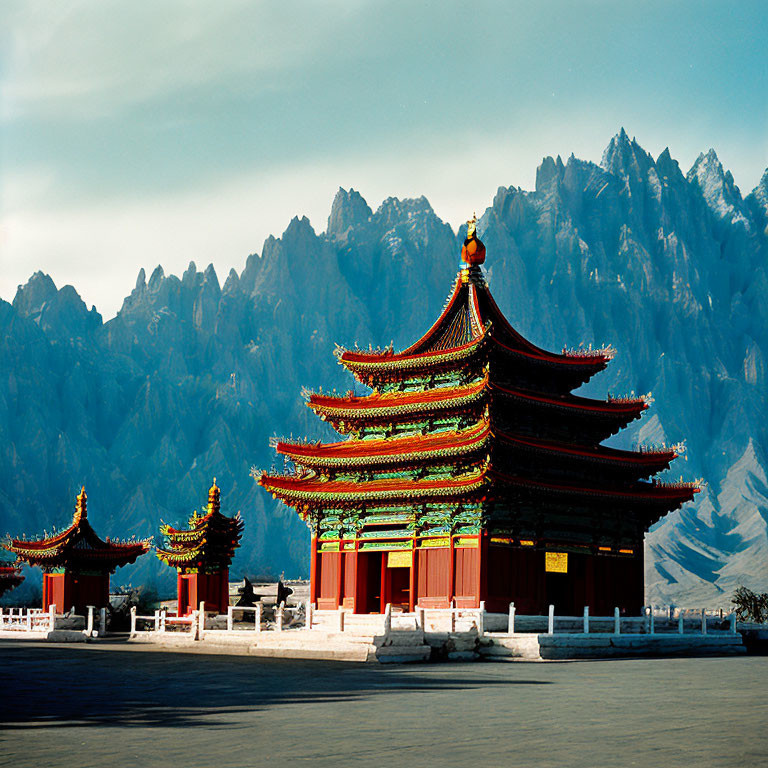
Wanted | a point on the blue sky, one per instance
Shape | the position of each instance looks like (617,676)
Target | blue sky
(133,134)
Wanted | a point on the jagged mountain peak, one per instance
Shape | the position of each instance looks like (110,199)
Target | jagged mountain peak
(349,208)
(626,159)
(156,278)
(717,187)
(395,207)
(298,228)
(210,276)
(61,312)
(668,168)
(758,198)
(550,171)
(30,297)
(232,283)
(141,280)
(190,274)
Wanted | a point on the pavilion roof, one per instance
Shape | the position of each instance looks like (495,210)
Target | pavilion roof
(299,490)
(666,495)
(347,412)
(388,451)
(451,444)
(337,408)
(655,460)
(211,538)
(469,319)
(627,406)
(78,545)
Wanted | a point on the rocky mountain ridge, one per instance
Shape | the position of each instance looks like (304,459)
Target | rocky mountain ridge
(192,377)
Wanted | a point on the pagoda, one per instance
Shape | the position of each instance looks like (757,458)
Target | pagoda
(201,555)
(76,563)
(471,473)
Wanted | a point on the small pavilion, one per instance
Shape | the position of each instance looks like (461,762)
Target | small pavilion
(202,554)
(76,563)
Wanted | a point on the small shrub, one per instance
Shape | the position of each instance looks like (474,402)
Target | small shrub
(750,606)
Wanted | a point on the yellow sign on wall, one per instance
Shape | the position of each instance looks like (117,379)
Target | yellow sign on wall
(400,559)
(556,562)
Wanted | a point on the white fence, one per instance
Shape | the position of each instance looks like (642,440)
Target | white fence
(477,619)
(199,623)
(163,622)
(27,619)
(37,620)
(648,623)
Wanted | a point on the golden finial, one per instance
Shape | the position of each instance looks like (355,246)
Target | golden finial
(81,507)
(214,495)
(473,250)
(472,225)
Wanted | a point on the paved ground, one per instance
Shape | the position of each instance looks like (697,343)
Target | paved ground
(113,706)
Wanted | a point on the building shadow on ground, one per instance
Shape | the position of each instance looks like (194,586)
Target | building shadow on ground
(55,687)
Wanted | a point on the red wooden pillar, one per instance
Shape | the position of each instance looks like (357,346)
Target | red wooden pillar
(412,596)
(340,575)
(384,584)
(224,590)
(452,584)
(313,572)
(482,567)
(67,589)
(179,593)
(349,594)
(46,600)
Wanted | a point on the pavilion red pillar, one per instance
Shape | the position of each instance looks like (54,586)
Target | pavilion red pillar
(313,572)
(482,567)
(223,590)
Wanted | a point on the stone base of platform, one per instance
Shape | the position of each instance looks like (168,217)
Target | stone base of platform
(535,647)
(57,636)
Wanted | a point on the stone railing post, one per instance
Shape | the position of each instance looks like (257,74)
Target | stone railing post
(680,623)
(308,615)
(511,620)
(51,618)
(257,620)
(341,619)
(481,619)
(586,619)
(388,620)
(102,622)
(422,614)
(652,622)
(279,617)
(732,620)
(453,611)
(29,621)
(616,621)
(89,622)
(703,621)
(230,619)
(133,621)
(157,621)
(201,621)
(551,621)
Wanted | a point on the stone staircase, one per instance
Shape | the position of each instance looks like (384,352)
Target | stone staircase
(503,646)
(400,646)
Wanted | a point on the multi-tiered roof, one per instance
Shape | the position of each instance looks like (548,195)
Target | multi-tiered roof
(475,426)
(78,548)
(208,544)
